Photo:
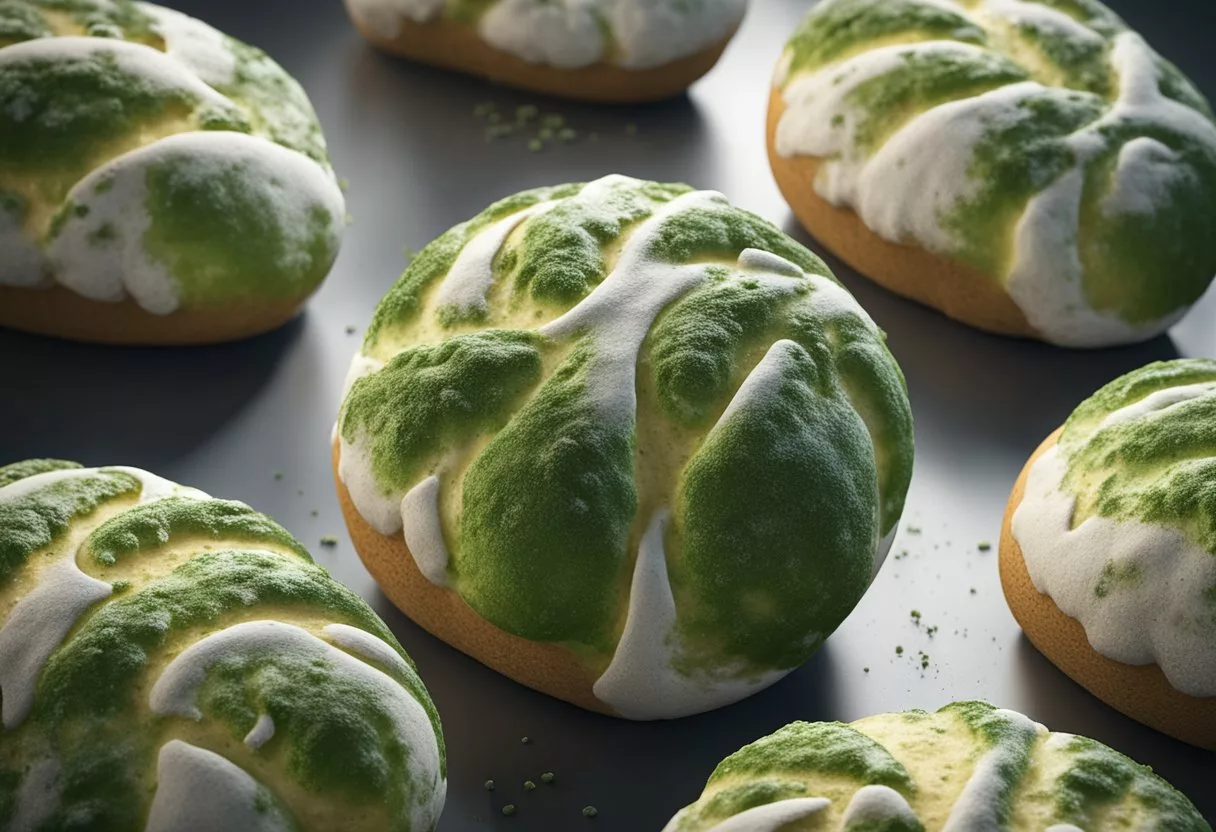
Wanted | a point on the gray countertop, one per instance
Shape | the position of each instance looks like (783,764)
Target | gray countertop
(225,419)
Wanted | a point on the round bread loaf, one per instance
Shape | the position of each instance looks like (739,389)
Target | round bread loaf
(1029,168)
(604,50)
(174,663)
(160,182)
(1108,556)
(970,767)
(627,444)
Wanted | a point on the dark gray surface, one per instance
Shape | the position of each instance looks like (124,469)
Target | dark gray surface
(226,418)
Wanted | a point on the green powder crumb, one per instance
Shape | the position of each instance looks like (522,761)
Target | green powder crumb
(916,616)
(899,650)
(932,631)
(567,135)
(499,131)
(489,785)
(529,786)
(351,329)
(973,590)
(314,513)
(119,586)
(329,540)
(984,545)
(865,670)
(509,809)
(590,811)
(913,529)
(526,113)
(536,145)
(554,122)
(544,133)
(278,475)
(547,777)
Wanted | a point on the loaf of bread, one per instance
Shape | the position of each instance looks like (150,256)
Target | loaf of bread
(174,663)
(969,767)
(160,182)
(626,443)
(1108,557)
(607,50)
(1029,168)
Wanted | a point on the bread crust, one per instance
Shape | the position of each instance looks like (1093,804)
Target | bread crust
(548,668)
(955,289)
(1140,692)
(457,46)
(61,313)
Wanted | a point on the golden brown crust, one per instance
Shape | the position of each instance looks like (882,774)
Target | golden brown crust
(61,313)
(1141,692)
(959,291)
(452,45)
(547,668)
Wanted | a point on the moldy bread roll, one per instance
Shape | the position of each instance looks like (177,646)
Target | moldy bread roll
(1108,557)
(627,444)
(173,663)
(593,50)
(1029,168)
(160,182)
(969,767)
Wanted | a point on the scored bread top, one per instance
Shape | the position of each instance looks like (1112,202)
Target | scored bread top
(1118,521)
(969,766)
(171,661)
(145,154)
(1042,143)
(634,420)
(569,34)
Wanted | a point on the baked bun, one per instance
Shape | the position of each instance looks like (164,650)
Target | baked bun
(625,443)
(174,663)
(160,182)
(969,767)
(618,50)
(1108,555)
(1028,168)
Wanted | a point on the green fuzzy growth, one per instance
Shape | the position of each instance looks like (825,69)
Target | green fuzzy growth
(1012,741)
(435,397)
(1117,576)
(894,823)
(923,81)
(278,105)
(94,674)
(221,234)
(805,749)
(1144,265)
(20,21)
(1084,62)
(403,301)
(1099,776)
(1177,87)
(37,519)
(733,800)
(1159,468)
(562,250)
(1015,160)
(116,18)
(159,523)
(735,509)
(696,344)
(58,115)
(350,750)
(836,29)
(100,781)
(9,474)
(723,231)
(547,510)
(1090,12)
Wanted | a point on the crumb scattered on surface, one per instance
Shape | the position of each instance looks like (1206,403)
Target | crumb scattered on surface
(984,545)
(547,777)
(529,786)
(489,785)
(278,475)
(590,811)
(899,650)
(351,329)
(509,809)
(329,540)
(525,740)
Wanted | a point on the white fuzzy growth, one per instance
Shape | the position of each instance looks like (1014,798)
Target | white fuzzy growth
(200,791)
(201,48)
(1162,617)
(38,796)
(109,271)
(424,531)
(1040,18)
(36,627)
(261,733)
(654,32)
(874,804)
(1145,175)
(773,817)
(564,35)
(382,511)
(23,264)
(175,693)
(619,312)
(472,274)
(385,17)
(1161,400)
(978,805)
(754,259)
(641,682)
